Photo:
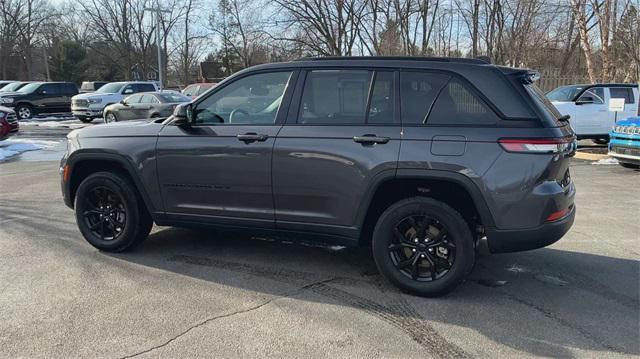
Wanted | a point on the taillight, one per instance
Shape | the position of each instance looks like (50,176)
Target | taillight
(536,145)
(558,215)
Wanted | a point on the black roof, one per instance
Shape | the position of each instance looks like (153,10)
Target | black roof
(610,84)
(396,58)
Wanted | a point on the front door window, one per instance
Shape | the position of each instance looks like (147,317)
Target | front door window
(254,99)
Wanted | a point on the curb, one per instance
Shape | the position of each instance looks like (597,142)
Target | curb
(589,156)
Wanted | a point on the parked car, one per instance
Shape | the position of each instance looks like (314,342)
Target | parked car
(13,86)
(91,86)
(625,142)
(8,123)
(195,90)
(588,107)
(88,106)
(144,105)
(3,83)
(40,97)
(419,157)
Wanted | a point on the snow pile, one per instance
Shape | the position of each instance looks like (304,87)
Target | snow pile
(606,161)
(71,124)
(12,147)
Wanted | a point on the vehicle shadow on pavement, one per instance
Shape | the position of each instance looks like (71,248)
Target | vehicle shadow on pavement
(546,302)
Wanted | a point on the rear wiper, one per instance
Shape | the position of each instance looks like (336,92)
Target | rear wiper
(564,118)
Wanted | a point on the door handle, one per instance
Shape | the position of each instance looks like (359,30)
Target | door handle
(252,137)
(370,139)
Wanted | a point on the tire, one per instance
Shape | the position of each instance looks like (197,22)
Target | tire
(629,165)
(85,119)
(24,112)
(110,117)
(123,231)
(456,248)
(600,141)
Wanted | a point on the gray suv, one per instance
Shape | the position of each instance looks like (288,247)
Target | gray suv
(419,158)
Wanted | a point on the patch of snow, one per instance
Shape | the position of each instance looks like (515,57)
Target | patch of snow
(71,124)
(12,147)
(606,161)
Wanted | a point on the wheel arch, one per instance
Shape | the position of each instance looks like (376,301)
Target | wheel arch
(83,163)
(389,189)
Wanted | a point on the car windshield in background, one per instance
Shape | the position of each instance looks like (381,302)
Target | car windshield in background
(173,97)
(113,87)
(29,88)
(12,86)
(565,93)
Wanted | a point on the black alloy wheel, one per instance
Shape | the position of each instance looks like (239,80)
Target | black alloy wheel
(423,246)
(421,249)
(105,214)
(110,212)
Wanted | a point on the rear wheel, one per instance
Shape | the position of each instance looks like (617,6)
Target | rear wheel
(423,246)
(85,119)
(110,214)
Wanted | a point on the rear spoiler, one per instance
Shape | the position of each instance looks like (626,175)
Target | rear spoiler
(526,75)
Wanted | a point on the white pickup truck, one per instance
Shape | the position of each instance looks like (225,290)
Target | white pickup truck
(87,106)
(588,106)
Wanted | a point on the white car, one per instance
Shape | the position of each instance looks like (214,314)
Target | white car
(88,106)
(588,106)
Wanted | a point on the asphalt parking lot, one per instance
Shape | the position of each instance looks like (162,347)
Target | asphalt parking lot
(187,293)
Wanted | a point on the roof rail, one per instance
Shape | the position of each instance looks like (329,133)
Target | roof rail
(399,58)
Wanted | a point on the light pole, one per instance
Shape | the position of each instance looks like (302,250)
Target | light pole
(158,11)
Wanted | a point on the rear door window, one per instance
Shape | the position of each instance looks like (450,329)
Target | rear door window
(144,88)
(382,99)
(335,97)
(622,92)
(418,91)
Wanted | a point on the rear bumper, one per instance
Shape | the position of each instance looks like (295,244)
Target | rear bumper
(502,241)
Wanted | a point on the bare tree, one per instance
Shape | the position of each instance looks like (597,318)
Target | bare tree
(578,7)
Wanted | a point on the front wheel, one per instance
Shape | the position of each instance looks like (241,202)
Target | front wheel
(24,112)
(423,246)
(110,214)
(85,119)
(110,117)
(601,141)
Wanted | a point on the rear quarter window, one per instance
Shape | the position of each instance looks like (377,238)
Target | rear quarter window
(457,104)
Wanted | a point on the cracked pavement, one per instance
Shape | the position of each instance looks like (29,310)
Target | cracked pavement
(192,293)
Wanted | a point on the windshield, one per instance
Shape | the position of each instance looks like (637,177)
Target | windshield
(174,97)
(29,88)
(12,87)
(113,87)
(564,93)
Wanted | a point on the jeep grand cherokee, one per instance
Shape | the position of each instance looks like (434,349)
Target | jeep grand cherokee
(417,157)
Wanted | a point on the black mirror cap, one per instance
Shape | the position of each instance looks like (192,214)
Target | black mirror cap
(183,114)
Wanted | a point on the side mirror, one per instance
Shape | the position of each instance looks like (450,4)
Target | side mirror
(43,92)
(584,100)
(183,114)
(123,102)
(128,91)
